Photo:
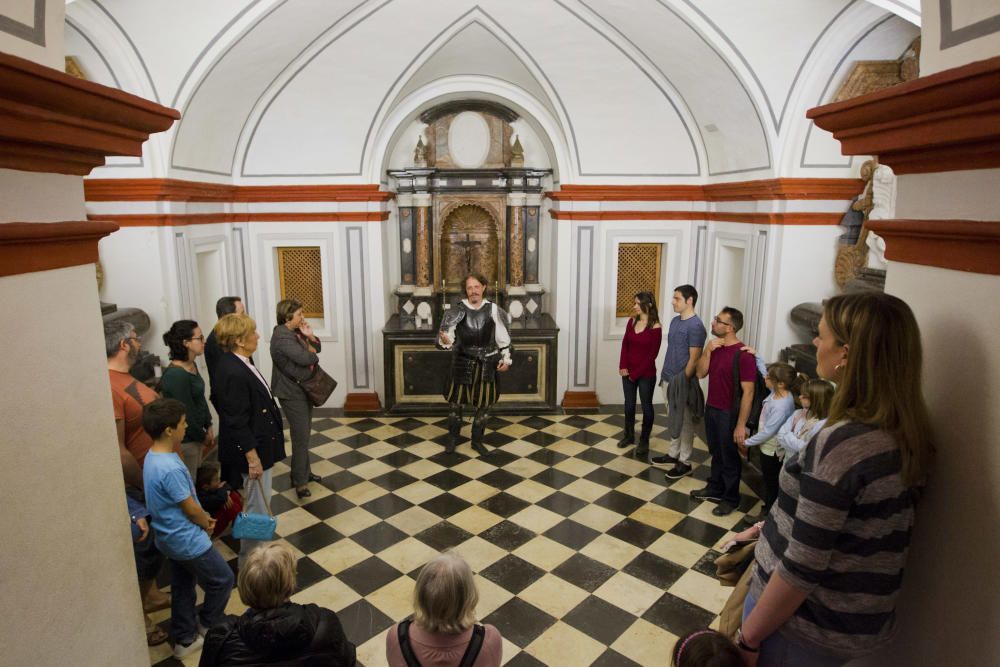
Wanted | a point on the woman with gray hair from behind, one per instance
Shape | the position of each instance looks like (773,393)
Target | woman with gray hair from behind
(443,631)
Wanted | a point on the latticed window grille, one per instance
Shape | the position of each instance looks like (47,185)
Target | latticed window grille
(638,271)
(300,276)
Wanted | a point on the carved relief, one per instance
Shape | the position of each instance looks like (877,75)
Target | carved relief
(423,248)
(867,76)
(853,257)
(516,247)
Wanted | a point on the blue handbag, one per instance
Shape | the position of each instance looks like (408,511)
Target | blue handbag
(253,526)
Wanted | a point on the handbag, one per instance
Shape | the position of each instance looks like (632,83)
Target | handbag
(729,567)
(318,387)
(253,526)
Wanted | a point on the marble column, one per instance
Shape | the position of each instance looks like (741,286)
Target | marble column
(424,242)
(407,243)
(515,240)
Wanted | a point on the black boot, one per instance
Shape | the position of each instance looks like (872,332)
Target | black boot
(641,452)
(628,440)
(454,432)
(478,430)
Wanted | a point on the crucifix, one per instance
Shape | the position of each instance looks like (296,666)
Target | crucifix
(468,249)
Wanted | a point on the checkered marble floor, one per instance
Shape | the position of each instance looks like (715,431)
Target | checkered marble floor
(582,556)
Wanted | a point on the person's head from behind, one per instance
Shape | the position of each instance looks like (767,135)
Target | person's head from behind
(705,648)
(816,396)
(780,377)
(237,333)
(121,341)
(869,344)
(165,420)
(728,321)
(445,597)
(644,303)
(685,297)
(267,579)
(209,475)
(229,304)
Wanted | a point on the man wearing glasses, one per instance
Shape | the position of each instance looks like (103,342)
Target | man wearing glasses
(725,424)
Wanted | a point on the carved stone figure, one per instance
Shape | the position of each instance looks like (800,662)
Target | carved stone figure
(420,153)
(517,153)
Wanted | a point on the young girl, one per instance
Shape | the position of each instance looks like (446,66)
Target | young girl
(778,407)
(706,647)
(815,397)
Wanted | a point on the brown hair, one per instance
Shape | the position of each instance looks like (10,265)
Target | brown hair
(820,395)
(230,328)
(781,372)
(285,309)
(478,277)
(647,304)
(880,384)
(705,648)
(445,597)
(267,578)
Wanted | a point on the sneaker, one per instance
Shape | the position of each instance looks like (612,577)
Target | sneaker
(678,471)
(706,494)
(724,509)
(182,650)
(665,460)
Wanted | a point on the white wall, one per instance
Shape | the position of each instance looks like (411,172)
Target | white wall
(974,34)
(27,196)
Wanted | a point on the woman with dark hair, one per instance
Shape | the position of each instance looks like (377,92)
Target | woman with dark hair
(637,366)
(829,562)
(182,381)
(294,349)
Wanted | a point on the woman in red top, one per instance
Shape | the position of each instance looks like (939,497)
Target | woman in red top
(637,366)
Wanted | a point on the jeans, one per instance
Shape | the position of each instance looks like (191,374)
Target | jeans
(770,469)
(680,448)
(254,503)
(778,651)
(724,478)
(645,387)
(298,413)
(210,572)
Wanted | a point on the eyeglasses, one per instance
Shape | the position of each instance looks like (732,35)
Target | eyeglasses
(718,321)
(199,338)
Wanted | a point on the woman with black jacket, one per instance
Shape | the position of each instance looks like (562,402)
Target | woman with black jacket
(294,349)
(275,631)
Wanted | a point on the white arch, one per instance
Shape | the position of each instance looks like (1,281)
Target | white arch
(480,87)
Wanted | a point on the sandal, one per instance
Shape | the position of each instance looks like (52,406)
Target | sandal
(155,636)
(159,604)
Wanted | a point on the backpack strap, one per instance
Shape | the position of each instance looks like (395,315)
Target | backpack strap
(737,387)
(403,634)
(475,645)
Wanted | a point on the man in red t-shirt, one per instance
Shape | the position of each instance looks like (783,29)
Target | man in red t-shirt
(128,396)
(723,429)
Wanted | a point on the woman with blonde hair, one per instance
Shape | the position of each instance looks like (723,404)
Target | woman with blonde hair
(443,631)
(829,562)
(275,630)
(251,439)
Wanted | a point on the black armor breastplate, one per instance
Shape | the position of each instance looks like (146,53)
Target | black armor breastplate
(477,328)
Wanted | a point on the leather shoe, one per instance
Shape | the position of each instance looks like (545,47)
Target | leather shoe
(303,492)
(315,478)
(480,448)
(627,441)
(723,509)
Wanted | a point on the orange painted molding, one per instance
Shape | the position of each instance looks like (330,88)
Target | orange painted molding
(765,189)
(961,245)
(185,219)
(26,247)
(172,189)
(946,121)
(574,400)
(815,219)
(360,402)
(53,122)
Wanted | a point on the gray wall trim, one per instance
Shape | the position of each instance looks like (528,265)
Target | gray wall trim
(135,49)
(241,256)
(776,119)
(951,36)
(584,305)
(357,299)
(30,33)
(826,89)
(86,38)
(700,245)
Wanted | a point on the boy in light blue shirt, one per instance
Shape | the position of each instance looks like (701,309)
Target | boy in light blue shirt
(182,529)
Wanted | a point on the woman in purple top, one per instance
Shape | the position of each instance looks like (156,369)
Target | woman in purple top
(637,366)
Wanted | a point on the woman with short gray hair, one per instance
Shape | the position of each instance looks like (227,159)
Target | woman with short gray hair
(443,631)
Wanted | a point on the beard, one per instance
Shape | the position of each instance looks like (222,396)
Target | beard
(133,355)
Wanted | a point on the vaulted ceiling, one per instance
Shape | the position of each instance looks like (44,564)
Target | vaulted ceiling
(636,90)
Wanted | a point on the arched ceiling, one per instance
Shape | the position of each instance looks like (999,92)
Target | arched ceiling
(641,89)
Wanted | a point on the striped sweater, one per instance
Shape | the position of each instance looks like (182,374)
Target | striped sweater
(839,532)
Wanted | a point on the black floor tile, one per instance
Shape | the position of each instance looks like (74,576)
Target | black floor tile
(404,439)
(584,572)
(616,501)
(448,459)
(547,457)
(513,573)
(317,439)
(507,535)
(308,572)
(501,479)
(394,479)
(349,459)
(362,620)
(443,535)
(447,479)
(398,459)
(612,658)
(678,502)
(341,480)
(522,659)
(445,505)
(356,441)
(497,439)
(706,564)
(698,531)
(677,616)
(536,422)
(499,457)
(571,534)
(600,620)
(504,504)
(635,532)
(653,570)
(365,424)
(520,622)
(369,575)
(379,537)
(313,538)
(324,424)
(407,424)
(562,504)
(578,421)
(328,506)
(615,420)
(541,438)
(598,456)
(280,504)
(556,479)
(388,505)
(587,437)
(655,475)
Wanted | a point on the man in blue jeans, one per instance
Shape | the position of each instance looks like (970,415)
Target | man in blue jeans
(723,429)
(182,529)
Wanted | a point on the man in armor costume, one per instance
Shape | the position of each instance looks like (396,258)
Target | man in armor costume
(479,333)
